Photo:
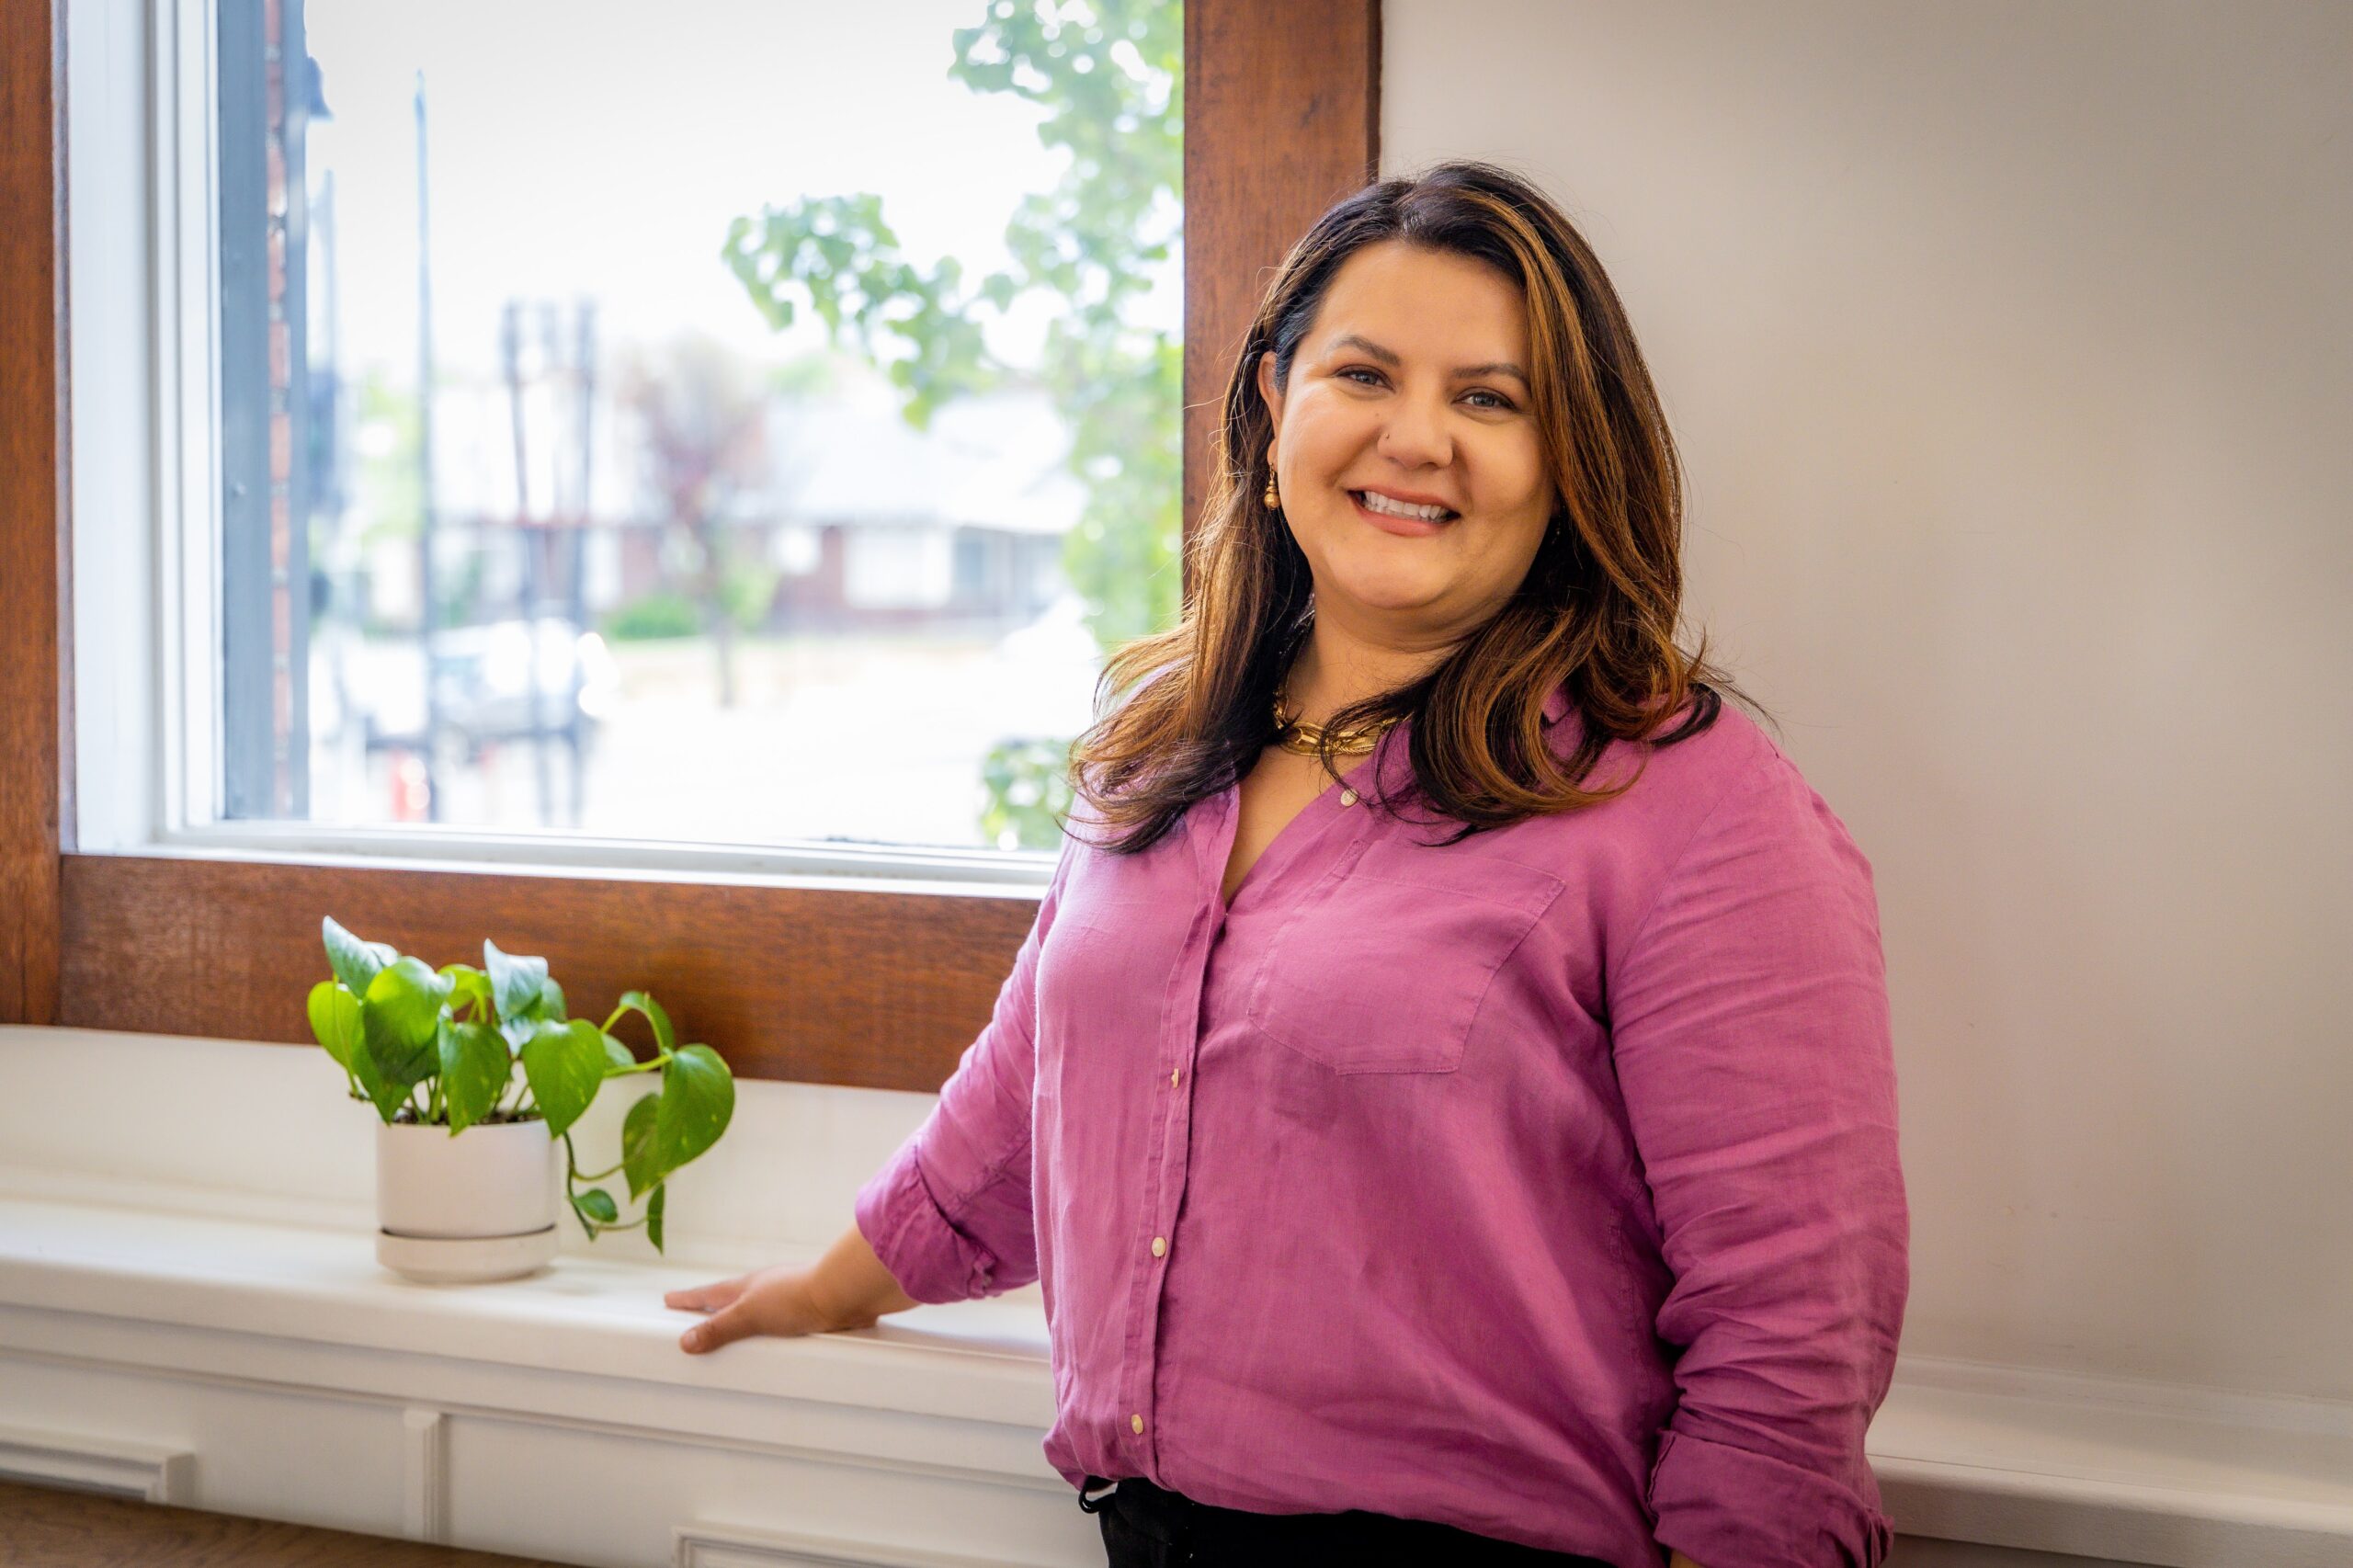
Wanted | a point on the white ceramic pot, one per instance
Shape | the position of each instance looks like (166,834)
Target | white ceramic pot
(482,1205)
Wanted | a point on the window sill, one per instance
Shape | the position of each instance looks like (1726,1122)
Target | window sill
(321,1287)
(819,866)
(2114,1469)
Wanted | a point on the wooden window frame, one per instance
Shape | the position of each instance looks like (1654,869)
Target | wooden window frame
(868,989)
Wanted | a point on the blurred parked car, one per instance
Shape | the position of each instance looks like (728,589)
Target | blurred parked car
(485,676)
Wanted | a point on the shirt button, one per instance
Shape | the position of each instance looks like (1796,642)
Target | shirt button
(1348,797)
(1135,1423)
(1171,1077)
(1160,1246)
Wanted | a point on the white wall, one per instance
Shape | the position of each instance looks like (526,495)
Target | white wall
(2011,351)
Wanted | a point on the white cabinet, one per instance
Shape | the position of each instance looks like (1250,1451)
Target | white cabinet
(230,1447)
(608,1497)
(572,1465)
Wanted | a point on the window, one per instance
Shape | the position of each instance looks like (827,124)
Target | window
(545,345)
(791,962)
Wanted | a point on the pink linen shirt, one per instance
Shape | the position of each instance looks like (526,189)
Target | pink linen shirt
(1544,1185)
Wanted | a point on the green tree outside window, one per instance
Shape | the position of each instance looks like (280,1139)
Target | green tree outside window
(1109,74)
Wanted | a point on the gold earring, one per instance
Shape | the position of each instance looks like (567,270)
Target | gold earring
(1273,501)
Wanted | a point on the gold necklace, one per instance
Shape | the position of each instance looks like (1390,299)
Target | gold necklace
(1299,735)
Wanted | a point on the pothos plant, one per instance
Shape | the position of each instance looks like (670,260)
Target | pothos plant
(459,1046)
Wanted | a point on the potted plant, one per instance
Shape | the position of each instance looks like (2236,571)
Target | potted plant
(489,1054)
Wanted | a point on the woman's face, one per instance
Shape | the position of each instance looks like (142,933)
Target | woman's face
(1410,390)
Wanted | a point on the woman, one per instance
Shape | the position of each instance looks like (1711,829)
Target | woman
(1446,1093)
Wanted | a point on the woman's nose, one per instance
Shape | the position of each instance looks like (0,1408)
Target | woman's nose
(1415,436)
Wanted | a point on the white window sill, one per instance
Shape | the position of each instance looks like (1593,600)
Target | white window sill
(296,1284)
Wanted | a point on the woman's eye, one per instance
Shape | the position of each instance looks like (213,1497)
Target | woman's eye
(1365,375)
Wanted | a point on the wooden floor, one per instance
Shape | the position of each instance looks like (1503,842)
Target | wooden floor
(42,1527)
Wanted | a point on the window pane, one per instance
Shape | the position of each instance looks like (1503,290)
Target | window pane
(726,422)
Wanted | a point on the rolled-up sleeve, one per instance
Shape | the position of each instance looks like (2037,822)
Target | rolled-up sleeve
(948,1215)
(1751,1032)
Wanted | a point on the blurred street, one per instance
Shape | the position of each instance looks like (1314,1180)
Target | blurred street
(871,736)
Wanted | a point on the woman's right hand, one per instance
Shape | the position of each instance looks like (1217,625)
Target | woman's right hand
(769,1300)
(849,1288)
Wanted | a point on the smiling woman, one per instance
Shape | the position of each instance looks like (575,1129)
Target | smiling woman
(1526,1191)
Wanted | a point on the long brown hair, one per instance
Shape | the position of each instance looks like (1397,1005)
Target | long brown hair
(1597,613)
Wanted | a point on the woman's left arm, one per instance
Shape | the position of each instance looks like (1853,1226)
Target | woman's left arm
(1749,1025)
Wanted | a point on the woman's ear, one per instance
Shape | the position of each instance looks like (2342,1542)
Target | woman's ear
(1268,394)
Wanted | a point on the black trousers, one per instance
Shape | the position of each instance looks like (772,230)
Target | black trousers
(1148,1526)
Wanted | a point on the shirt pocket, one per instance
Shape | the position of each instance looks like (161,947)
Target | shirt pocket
(1384,968)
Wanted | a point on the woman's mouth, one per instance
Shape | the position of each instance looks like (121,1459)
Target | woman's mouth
(1398,517)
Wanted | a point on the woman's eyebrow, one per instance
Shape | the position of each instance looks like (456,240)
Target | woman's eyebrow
(1372,350)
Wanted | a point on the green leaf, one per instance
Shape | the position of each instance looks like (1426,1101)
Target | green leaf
(475,1069)
(597,1204)
(620,1056)
(335,1018)
(552,1001)
(468,986)
(640,1161)
(565,1063)
(515,983)
(697,1099)
(400,1018)
(385,1095)
(355,962)
(646,1005)
(654,1216)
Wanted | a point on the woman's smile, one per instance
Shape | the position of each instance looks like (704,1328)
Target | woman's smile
(1395,515)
